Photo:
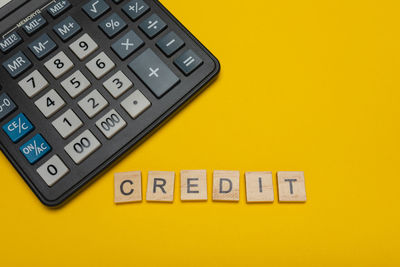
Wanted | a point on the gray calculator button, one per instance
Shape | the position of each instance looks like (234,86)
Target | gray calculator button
(100,65)
(154,73)
(84,46)
(53,170)
(67,28)
(170,43)
(127,45)
(33,84)
(50,103)
(75,84)
(42,46)
(82,146)
(117,84)
(93,103)
(188,62)
(58,7)
(17,64)
(95,8)
(135,104)
(6,105)
(112,25)
(34,24)
(67,123)
(135,9)
(10,41)
(152,25)
(59,64)
(110,124)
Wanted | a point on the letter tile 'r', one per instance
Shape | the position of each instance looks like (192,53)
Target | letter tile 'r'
(160,186)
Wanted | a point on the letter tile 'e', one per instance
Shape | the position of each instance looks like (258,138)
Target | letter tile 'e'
(291,187)
(194,185)
(259,187)
(160,186)
(127,187)
(226,185)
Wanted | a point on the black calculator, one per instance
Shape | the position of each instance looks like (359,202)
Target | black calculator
(83,82)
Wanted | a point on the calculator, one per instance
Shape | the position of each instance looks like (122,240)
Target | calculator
(84,82)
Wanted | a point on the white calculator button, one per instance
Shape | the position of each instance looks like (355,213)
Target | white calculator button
(117,84)
(93,103)
(75,84)
(100,65)
(53,170)
(50,103)
(67,123)
(33,84)
(110,124)
(82,146)
(59,64)
(135,104)
(83,47)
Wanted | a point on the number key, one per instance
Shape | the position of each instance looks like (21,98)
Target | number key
(117,84)
(100,65)
(82,146)
(84,46)
(93,103)
(67,123)
(59,65)
(53,170)
(33,84)
(110,124)
(75,84)
(50,103)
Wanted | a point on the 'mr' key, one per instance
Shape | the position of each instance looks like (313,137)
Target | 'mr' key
(17,64)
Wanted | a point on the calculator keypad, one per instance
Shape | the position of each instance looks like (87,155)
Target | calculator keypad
(50,103)
(118,84)
(76,84)
(59,65)
(100,65)
(82,146)
(18,128)
(17,64)
(58,7)
(33,84)
(67,124)
(110,124)
(84,46)
(135,104)
(53,170)
(152,26)
(67,28)
(135,9)
(42,46)
(112,25)
(93,103)
(6,105)
(35,149)
(127,45)
(95,8)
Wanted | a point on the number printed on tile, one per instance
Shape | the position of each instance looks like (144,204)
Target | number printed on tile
(100,65)
(50,103)
(84,46)
(93,103)
(33,84)
(117,84)
(75,84)
(59,65)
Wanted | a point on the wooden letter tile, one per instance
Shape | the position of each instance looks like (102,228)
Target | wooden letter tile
(160,186)
(127,187)
(259,187)
(194,185)
(291,187)
(226,186)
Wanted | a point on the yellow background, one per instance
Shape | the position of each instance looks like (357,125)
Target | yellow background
(307,86)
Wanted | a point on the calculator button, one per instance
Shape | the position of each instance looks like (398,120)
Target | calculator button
(110,124)
(42,46)
(93,103)
(17,64)
(127,45)
(117,84)
(35,149)
(135,104)
(34,24)
(18,128)
(58,7)
(33,84)
(170,43)
(154,73)
(75,84)
(112,25)
(67,123)
(135,9)
(10,41)
(152,25)
(6,105)
(53,170)
(59,64)
(67,28)
(188,62)
(100,65)
(82,146)
(50,103)
(84,46)
(95,8)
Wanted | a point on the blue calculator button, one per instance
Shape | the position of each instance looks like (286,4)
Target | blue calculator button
(10,41)
(34,24)
(95,8)
(42,46)
(67,28)
(17,64)
(6,106)
(112,25)
(35,149)
(18,128)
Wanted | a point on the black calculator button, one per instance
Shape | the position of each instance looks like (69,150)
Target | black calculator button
(10,41)
(33,84)
(153,72)
(50,103)
(42,46)
(34,24)
(118,84)
(95,8)
(135,104)
(6,105)
(93,103)
(53,170)
(75,84)
(35,149)
(84,46)
(111,124)
(127,45)
(59,65)
(170,43)
(67,28)
(58,7)
(17,64)
(188,62)
(100,65)
(82,146)
(18,128)
(112,25)
(135,9)
(67,123)
(152,26)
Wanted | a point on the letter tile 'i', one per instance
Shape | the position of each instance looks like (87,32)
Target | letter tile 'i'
(259,187)
(226,185)
(291,187)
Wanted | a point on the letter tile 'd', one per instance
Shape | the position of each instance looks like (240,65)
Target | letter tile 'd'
(226,185)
